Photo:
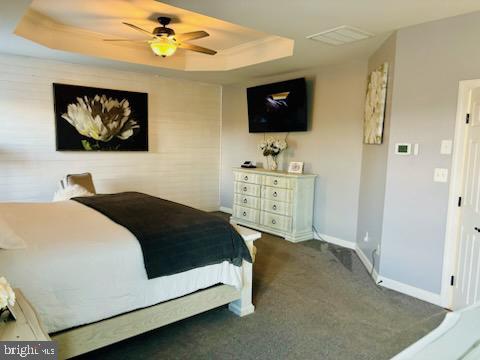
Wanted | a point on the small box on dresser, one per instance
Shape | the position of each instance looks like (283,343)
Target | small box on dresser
(275,202)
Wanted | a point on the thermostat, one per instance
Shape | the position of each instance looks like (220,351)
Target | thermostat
(403,149)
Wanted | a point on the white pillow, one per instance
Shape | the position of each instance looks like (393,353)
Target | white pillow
(9,240)
(71,192)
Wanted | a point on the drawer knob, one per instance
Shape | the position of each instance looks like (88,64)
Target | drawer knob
(274,207)
(246,178)
(275,182)
(244,213)
(274,222)
(244,188)
(275,194)
(245,200)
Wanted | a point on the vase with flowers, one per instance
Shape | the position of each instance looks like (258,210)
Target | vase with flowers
(7,298)
(272,148)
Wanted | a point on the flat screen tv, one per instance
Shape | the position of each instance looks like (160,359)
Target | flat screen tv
(278,107)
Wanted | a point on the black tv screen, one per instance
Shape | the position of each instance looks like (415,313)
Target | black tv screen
(278,107)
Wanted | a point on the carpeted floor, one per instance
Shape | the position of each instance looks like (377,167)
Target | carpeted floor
(313,301)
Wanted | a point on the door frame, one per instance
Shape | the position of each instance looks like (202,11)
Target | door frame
(455,188)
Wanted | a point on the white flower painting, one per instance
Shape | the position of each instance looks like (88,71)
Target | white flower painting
(375,105)
(100,119)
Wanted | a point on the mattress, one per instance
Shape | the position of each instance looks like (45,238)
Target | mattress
(80,267)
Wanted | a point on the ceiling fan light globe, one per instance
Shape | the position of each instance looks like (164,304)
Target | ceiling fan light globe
(164,46)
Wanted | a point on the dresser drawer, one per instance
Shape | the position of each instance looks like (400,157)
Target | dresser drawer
(248,177)
(247,189)
(277,181)
(277,207)
(272,193)
(279,222)
(245,213)
(248,201)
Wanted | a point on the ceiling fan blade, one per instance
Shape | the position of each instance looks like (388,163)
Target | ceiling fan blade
(135,27)
(197,48)
(192,35)
(126,40)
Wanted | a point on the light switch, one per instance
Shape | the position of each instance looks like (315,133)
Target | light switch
(440,175)
(446,147)
(415,149)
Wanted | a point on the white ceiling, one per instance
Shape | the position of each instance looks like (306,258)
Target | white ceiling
(294,19)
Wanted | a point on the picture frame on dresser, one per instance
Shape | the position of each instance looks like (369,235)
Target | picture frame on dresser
(295,167)
(276,202)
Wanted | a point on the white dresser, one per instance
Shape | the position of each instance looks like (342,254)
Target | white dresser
(275,202)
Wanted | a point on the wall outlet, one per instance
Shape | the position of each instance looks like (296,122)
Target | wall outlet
(446,147)
(440,175)
(365,238)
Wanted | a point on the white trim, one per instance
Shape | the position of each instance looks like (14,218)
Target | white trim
(410,290)
(396,285)
(456,181)
(336,241)
(226,210)
(367,263)
(381,280)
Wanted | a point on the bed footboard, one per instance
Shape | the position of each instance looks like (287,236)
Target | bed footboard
(90,337)
(244,305)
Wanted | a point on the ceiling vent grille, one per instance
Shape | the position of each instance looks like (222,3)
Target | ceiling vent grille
(341,35)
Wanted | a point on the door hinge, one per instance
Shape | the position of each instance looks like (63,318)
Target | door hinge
(467,120)
(459,201)
(452,280)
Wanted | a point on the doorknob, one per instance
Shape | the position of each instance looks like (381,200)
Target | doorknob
(477,229)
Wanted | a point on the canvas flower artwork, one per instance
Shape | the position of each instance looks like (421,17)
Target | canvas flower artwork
(99,119)
(375,105)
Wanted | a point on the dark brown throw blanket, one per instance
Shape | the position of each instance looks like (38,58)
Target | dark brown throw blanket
(173,237)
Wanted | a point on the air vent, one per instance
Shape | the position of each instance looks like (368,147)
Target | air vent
(341,35)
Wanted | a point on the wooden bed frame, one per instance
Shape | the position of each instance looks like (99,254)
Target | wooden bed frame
(89,337)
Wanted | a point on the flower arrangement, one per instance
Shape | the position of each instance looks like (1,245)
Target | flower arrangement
(273,147)
(7,298)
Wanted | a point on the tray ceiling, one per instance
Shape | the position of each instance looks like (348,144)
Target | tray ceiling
(80,26)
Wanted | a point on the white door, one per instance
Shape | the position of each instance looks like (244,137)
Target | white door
(467,275)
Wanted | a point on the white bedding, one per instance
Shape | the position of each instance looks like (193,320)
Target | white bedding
(80,267)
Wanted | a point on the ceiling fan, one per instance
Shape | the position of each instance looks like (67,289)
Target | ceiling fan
(164,42)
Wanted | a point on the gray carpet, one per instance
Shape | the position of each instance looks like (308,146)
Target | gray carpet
(313,301)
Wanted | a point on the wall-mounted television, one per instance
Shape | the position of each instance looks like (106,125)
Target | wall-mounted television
(278,107)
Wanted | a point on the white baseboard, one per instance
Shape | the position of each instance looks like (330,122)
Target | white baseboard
(413,291)
(398,286)
(367,263)
(335,241)
(226,210)
(380,280)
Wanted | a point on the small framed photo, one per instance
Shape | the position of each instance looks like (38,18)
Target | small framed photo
(295,167)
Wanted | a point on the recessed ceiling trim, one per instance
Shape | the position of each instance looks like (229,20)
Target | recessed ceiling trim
(257,47)
(341,35)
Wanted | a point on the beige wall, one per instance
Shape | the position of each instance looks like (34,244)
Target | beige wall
(184,133)
(332,148)
(374,165)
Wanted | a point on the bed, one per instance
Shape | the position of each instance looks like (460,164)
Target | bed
(80,267)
